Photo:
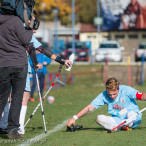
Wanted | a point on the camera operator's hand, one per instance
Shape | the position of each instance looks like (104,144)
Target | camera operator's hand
(68,63)
(70,122)
(39,66)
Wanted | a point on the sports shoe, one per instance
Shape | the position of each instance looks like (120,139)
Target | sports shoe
(3,131)
(126,128)
(41,98)
(13,134)
(21,131)
(32,99)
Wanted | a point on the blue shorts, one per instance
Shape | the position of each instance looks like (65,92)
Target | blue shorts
(135,124)
(27,87)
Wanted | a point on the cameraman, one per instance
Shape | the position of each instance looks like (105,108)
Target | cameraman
(13,67)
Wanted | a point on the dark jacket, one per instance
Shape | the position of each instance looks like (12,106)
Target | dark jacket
(13,38)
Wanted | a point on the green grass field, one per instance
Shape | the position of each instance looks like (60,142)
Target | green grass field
(68,101)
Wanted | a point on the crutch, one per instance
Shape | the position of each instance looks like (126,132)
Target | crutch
(110,131)
(41,101)
(56,80)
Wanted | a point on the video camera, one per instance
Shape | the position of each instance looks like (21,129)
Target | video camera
(30,3)
(36,24)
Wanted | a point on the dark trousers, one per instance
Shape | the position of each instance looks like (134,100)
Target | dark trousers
(14,77)
(41,78)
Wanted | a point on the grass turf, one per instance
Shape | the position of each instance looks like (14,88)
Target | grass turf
(68,101)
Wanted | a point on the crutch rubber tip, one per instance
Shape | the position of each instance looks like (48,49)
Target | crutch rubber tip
(109,131)
(45,132)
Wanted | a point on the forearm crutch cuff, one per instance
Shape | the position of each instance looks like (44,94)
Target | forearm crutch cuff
(60,60)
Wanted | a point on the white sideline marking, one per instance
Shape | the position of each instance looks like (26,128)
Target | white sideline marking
(37,139)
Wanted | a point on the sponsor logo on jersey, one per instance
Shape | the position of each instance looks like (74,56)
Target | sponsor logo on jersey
(116,107)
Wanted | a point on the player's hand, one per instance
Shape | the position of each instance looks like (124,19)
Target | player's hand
(68,63)
(39,66)
(71,121)
(44,63)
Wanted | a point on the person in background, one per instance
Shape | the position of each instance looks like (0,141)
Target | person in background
(44,60)
(133,16)
(121,105)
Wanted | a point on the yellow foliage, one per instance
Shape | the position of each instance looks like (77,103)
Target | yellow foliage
(50,4)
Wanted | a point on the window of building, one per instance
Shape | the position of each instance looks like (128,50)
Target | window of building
(133,36)
(89,37)
(107,37)
(144,36)
(121,36)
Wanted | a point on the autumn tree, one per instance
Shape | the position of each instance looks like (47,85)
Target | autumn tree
(48,6)
(86,10)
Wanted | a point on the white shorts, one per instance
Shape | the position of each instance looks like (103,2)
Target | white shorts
(109,122)
(27,87)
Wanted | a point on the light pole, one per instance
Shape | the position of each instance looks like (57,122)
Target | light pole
(98,25)
(55,11)
(43,21)
(73,26)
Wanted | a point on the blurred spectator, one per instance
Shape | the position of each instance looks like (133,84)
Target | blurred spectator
(132,17)
(44,60)
(143,4)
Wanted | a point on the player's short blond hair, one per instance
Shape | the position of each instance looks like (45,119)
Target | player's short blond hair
(112,84)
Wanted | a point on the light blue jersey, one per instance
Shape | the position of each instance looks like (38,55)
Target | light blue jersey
(124,102)
(35,42)
(29,67)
